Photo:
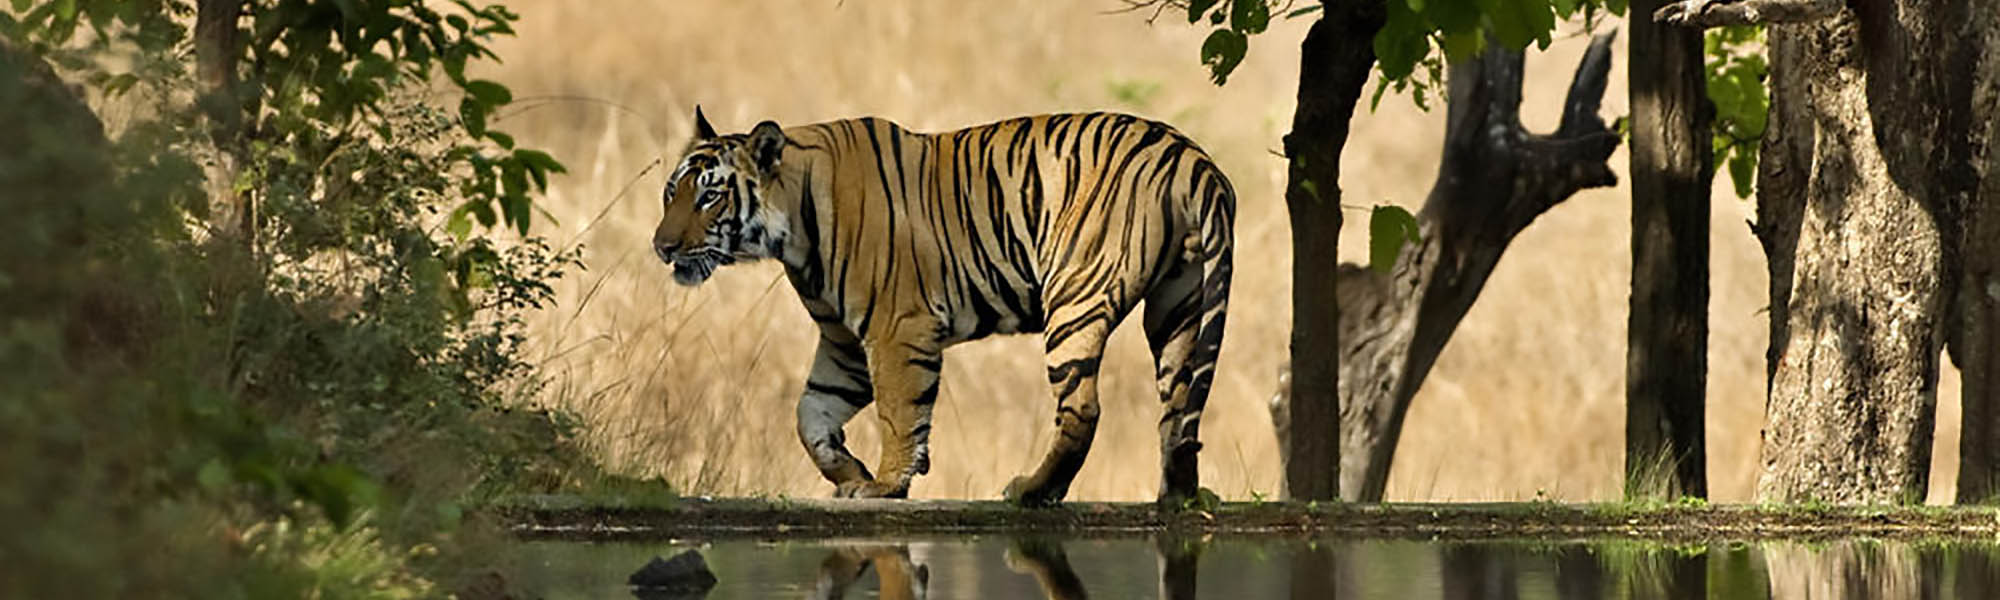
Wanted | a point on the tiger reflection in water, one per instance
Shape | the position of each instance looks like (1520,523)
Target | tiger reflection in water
(900,578)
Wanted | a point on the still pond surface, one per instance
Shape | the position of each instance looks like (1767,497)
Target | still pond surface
(1252,567)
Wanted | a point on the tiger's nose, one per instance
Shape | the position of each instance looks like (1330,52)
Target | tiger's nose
(665,250)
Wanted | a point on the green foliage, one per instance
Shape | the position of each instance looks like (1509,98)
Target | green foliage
(1736,73)
(1234,21)
(1420,36)
(315,76)
(1417,38)
(328,398)
(1389,228)
(1203,500)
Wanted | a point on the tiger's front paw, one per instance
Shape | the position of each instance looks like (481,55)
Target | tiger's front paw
(869,488)
(1023,493)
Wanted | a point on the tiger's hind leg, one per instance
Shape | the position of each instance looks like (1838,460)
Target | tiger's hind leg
(1075,346)
(1185,363)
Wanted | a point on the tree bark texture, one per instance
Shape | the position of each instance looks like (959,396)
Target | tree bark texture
(1718,13)
(1493,180)
(1870,148)
(1976,348)
(1338,56)
(1666,357)
(218,48)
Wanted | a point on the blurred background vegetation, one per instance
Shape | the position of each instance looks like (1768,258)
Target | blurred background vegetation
(306,401)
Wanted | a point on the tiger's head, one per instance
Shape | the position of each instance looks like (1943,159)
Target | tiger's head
(715,211)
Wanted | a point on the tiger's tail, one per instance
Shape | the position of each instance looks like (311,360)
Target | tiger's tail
(1216,207)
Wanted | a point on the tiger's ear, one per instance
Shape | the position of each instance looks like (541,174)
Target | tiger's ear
(702,130)
(767,143)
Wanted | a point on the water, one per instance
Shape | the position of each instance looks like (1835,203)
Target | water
(1254,567)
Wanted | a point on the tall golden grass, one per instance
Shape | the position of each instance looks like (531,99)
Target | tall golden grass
(698,385)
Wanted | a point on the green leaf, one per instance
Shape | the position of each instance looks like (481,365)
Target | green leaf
(1517,22)
(539,164)
(540,159)
(1222,51)
(1452,16)
(1463,44)
(1389,227)
(489,93)
(484,212)
(1249,17)
(1735,81)
(1303,11)
(1197,8)
(1743,171)
(65,10)
(460,223)
(21,6)
(1402,42)
(505,141)
(473,113)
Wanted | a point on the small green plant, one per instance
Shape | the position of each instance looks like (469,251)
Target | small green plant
(1204,500)
(1813,506)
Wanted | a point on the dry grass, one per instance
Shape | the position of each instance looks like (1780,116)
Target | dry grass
(698,385)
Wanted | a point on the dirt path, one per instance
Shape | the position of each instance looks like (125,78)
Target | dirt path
(572,518)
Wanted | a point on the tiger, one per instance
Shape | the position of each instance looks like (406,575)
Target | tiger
(901,244)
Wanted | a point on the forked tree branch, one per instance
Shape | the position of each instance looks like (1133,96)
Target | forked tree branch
(1494,179)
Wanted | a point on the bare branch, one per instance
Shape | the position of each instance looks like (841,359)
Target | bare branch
(1705,14)
(1158,6)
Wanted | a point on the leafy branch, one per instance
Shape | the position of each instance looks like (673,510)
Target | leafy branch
(1736,72)
(313,74)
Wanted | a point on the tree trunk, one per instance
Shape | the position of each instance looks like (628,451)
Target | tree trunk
(1666,357)
(1338,56)
(218,48)
(1976,349)
(1880,96)
(1494,179)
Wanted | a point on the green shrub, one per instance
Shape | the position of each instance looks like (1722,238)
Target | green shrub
(305,412)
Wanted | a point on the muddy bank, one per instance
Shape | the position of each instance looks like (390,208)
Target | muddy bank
(558,517)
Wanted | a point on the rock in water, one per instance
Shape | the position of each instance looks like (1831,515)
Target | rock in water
(686,575)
